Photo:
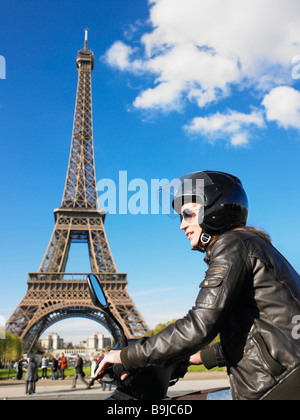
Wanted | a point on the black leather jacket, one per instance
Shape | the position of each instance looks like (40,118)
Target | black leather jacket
(251,296)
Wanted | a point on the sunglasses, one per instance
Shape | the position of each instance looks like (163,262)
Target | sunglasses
(189,215)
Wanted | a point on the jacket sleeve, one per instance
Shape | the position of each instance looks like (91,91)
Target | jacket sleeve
(221,286)
(213,356)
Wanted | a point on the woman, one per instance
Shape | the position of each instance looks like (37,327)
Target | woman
(44,368)
(19,369)
(250,296)
(63,365)
(54,369)
(31,377)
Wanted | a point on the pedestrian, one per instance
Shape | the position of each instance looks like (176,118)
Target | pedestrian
(93,365)
(31,377)
(54,369)
(250,296)
(63,365)
(104,386)
(45,364)
(18,366)
(79,373)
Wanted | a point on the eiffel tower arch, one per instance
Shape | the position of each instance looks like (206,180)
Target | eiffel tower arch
(54,295)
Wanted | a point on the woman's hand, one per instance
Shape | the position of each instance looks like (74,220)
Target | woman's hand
(195,359)
(111,358)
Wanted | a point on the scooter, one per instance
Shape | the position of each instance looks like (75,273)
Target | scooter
(150,383)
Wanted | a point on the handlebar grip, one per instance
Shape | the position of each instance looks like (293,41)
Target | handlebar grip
(123,342)
(118,370)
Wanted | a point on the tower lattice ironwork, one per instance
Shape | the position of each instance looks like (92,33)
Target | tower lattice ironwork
(52,294)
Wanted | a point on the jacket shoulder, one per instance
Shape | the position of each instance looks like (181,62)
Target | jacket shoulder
(231,248)
(242,235)
(237,246)
(234,239)
(244,238)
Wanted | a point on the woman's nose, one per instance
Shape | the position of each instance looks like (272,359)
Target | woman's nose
(183,224)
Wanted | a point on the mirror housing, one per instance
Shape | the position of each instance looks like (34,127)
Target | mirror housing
(97,293)
(99,299)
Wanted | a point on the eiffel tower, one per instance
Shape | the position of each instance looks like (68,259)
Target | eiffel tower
(52,294)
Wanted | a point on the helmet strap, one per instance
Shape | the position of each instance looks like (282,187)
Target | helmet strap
(204,241)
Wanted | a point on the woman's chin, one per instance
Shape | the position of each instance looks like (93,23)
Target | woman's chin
(194,242)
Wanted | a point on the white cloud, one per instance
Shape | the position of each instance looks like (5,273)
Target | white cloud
(233,126)
(151,292)
(205,45)
(120,56)
(198,50)
(155,318)
(157,303)
(282,105)
(187,71)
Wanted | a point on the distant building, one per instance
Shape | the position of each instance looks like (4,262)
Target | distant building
(52,342)
(97,341)
(94,345)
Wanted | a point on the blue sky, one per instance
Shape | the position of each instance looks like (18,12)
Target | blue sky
(178,86)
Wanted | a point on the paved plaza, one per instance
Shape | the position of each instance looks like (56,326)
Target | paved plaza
(61,390)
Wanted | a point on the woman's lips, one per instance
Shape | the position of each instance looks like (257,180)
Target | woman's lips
(189,235)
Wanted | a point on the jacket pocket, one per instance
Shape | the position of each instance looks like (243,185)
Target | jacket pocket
(215,275)
(212,285)
(275,367)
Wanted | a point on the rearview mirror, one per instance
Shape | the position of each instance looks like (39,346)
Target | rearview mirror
(97,294)
(99,300)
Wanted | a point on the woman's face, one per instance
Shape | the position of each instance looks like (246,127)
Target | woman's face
(189,222)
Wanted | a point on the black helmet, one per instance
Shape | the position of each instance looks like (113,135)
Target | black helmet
(224,200)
